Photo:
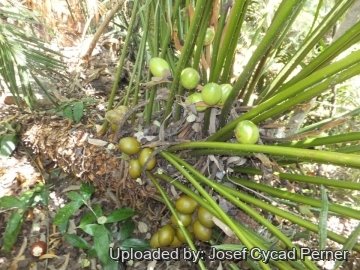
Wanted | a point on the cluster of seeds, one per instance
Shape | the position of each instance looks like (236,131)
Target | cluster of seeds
(197,220)
(212,94)
(131,146)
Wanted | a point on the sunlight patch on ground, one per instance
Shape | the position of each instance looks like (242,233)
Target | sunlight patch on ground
(16,174)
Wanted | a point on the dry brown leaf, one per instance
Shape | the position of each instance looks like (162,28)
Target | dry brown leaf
(66,263)
(217,162)
(212,121)
(97,142)
(238,161)
(225,228)
(264,160)
(48,256)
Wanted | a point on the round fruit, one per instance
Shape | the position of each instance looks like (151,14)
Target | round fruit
(134,168)
(185,204)
(166,235)
(159,67)
(129,145)
(176,242)
(116,115)
(194,98)
(246,132)
(225,92)
(205,217)
(189,78)
(201,232)
(154,241)
(114,127)
(143,157)
(211,93)
(181,236)
(184,218)
(209,36)
(38,248)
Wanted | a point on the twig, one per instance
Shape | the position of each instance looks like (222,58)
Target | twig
(101,29)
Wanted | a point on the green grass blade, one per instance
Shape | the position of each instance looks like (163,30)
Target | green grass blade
(170,206)
(311,142)
(323,218)
(300,199)
(186,53)
(248,210)
(304,178)
(350,160)
(349,244)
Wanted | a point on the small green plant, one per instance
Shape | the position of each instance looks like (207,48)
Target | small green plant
(114,229)
(24,56)
(18,206)
(73,110)
(8,139)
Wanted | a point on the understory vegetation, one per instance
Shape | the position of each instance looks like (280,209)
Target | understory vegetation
(246,111)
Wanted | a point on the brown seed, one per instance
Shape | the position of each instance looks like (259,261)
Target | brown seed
(38,248)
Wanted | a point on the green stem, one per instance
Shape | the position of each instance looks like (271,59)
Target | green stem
(198,51)
(299,87)
(318,33)
(169,204)
(338,209)
(165,44)
(206,121)
(137,71)
(250,211)
(201,37)
(238,232)
(151,93)
(284,12)
(350,160)
(273,50)
(308,94)
(349,149)
(304,178)
(284,214)
(254,80)
(267,207)
(340,138)
(125,47)
(231,28)
(186,53)
(187,191)
(120,67)
(328,120)
(316,15)
(216,43)
(234,40)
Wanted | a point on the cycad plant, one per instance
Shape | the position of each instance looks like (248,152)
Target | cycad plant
(205,36)
(195,124)
(24,57)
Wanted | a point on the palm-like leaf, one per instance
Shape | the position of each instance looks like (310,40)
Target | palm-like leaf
(289,87)
(23,56)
